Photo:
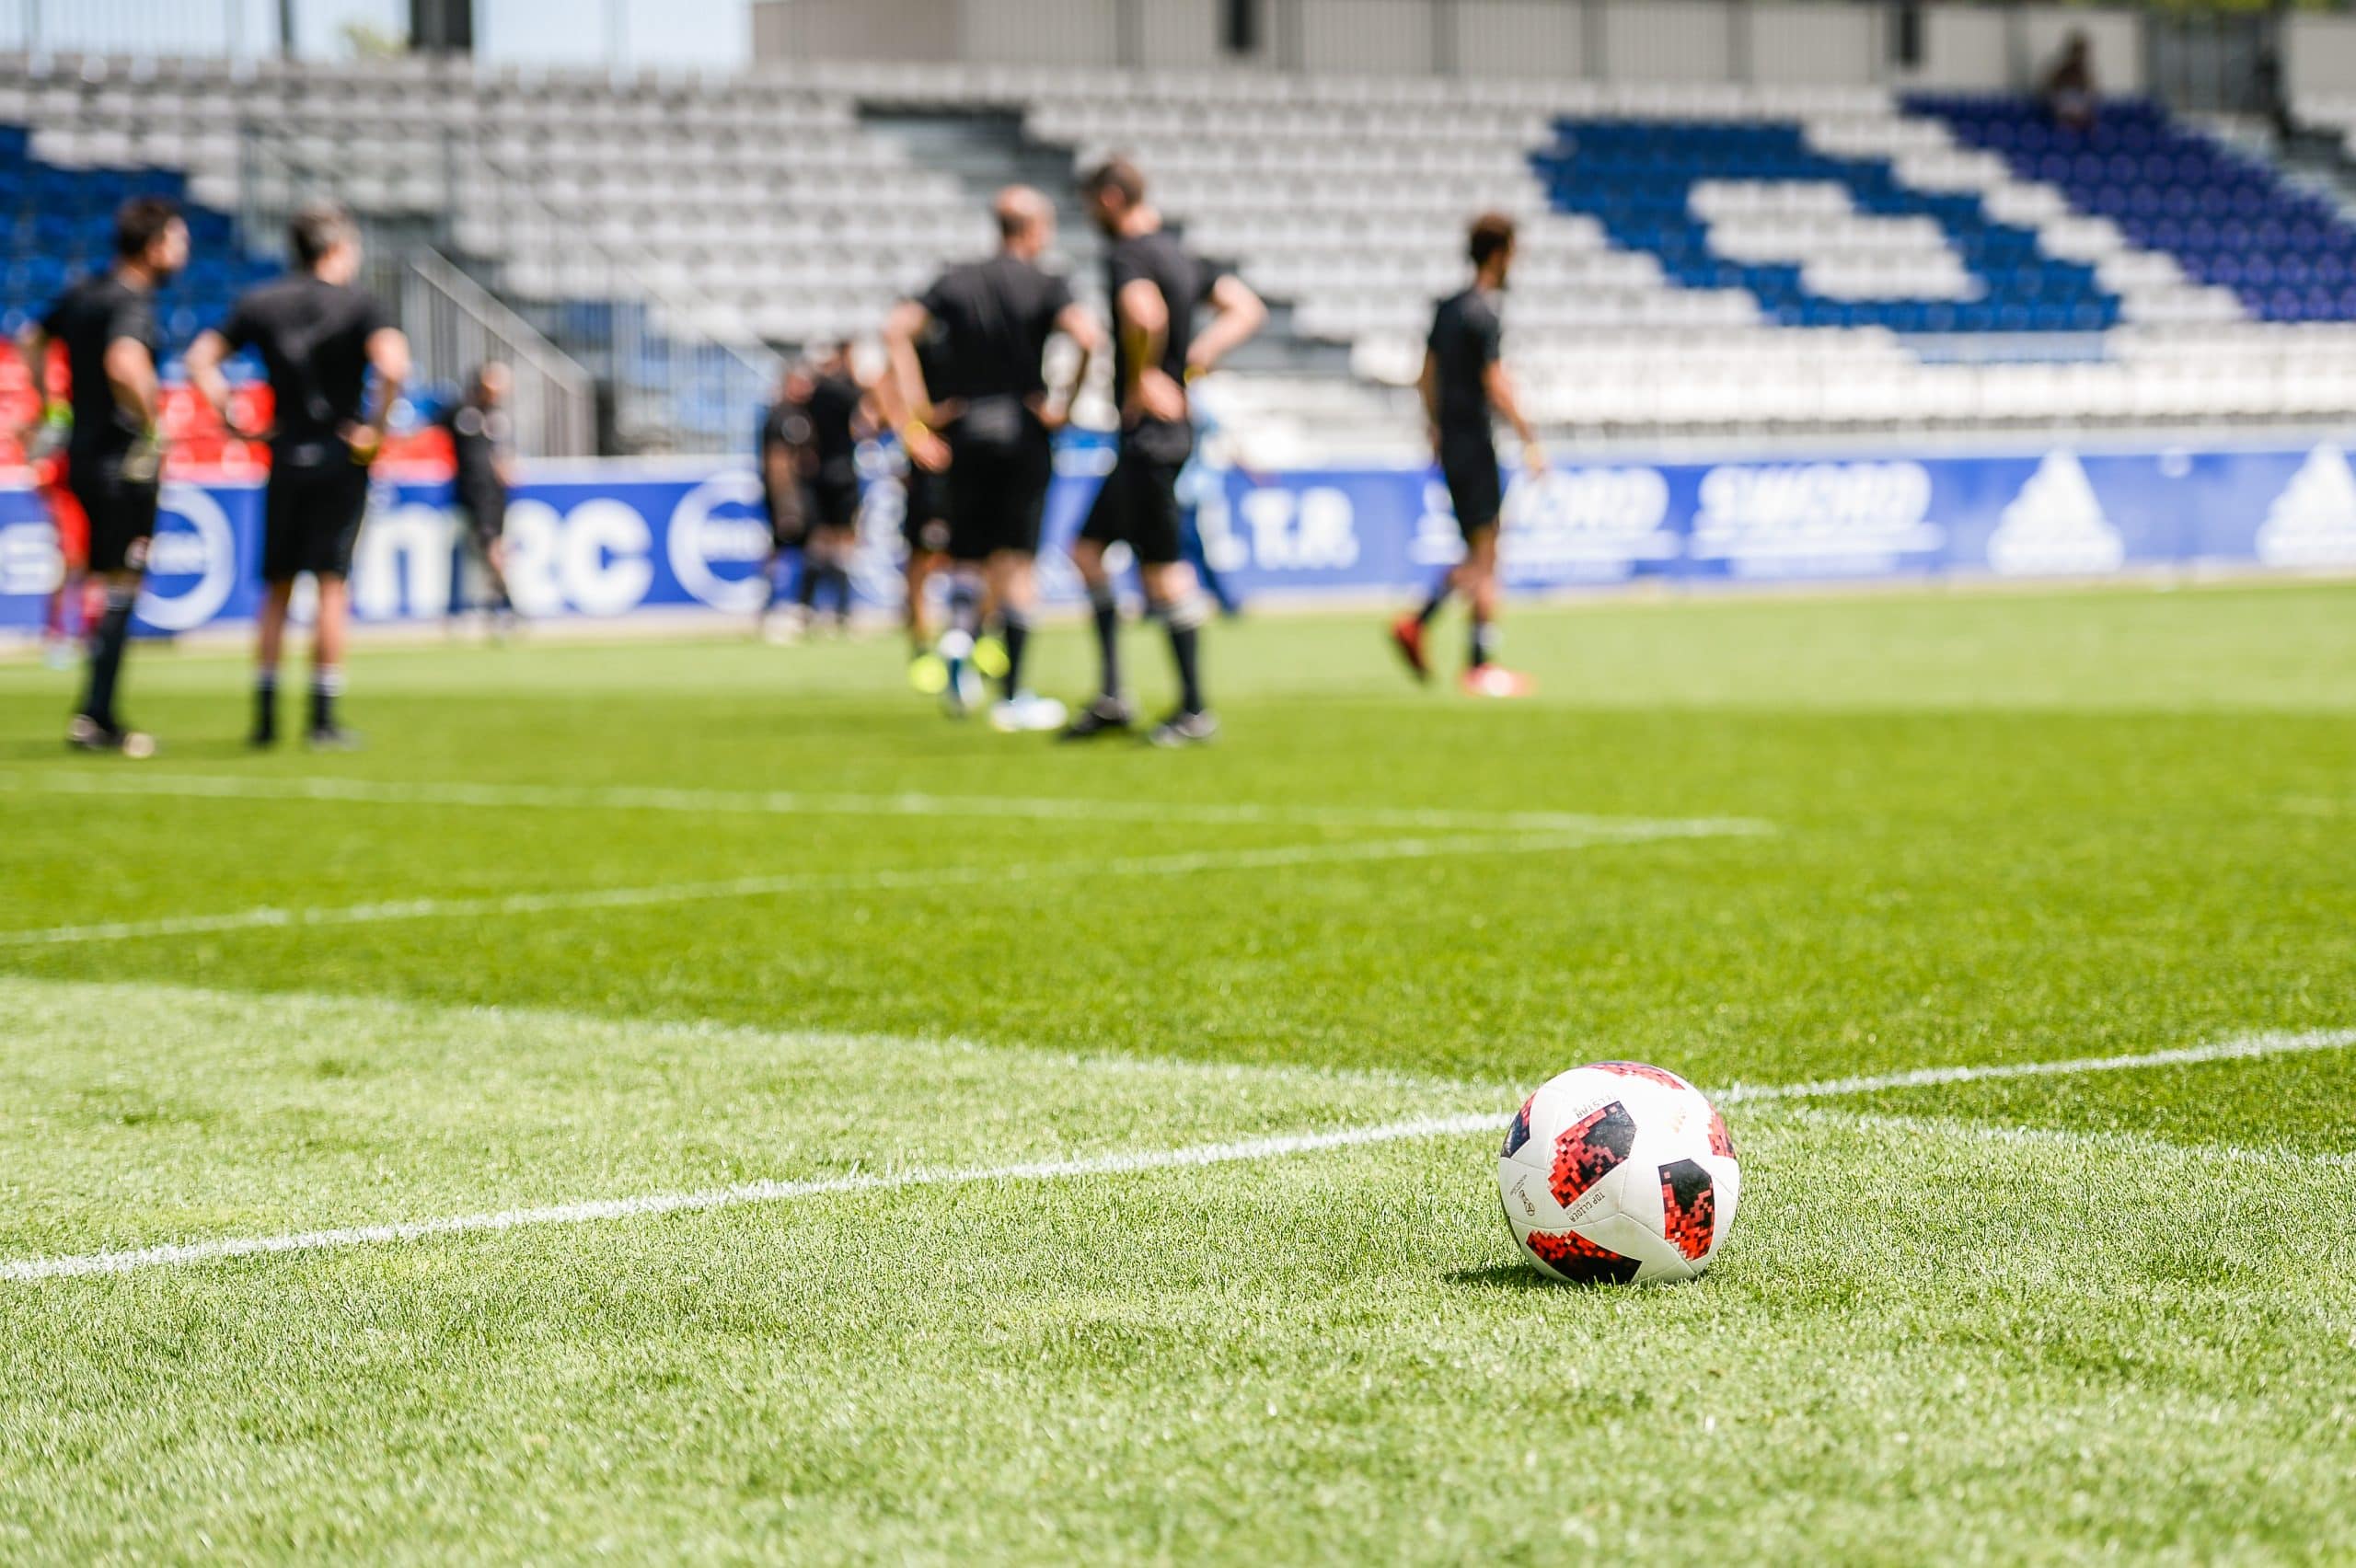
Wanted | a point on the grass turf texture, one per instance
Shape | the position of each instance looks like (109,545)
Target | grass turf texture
(2006,830)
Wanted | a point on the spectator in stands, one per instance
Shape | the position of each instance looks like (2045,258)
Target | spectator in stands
(2069,88)
(114,458)
(319,339)
(481,436)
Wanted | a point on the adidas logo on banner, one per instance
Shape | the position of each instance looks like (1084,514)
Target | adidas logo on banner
(2055,526)
(2313,522)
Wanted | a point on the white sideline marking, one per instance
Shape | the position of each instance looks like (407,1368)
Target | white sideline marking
(2242,1047)
(791,802)
(748,1192)
(1440,1125)
(1172,865)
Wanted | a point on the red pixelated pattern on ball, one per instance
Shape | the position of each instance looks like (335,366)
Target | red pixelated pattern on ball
(1721,1141)
(1517,1131)
(1590,1150)
(1689,1207)
(1574,1257)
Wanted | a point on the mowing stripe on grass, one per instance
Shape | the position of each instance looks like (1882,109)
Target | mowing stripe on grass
(925,877)
(2142,1145)
(791,802)
(2282,1043)
(1441,1125)
(749,1192)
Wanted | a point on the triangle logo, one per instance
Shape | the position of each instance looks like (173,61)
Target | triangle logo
(2056,526)
(2313,522)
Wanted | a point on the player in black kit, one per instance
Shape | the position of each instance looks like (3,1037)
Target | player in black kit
(783,449)
(1463,379)
(995,423)
(481,432)
(1153,285)
(319,338)
(107,324)
(836,415)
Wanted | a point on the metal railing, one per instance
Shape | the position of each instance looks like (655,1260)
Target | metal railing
(684,372)
(678,372)
(455,324)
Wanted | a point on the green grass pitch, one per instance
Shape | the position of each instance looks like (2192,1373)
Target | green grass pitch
(1011,1152)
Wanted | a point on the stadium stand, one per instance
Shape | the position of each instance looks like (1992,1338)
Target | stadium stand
(1698,259)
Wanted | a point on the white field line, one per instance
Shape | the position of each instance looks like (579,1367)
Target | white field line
(1172,865)
(792,802)
(2244,1048)
(751,1193)
(2240,1048)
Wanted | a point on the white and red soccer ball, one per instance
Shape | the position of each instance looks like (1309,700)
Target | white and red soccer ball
(1619,1172)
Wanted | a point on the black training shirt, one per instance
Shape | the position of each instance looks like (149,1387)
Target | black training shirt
(1184,282)
(313,339)
(994,318)
(1464,343)
(834,404)
(477,436)
(89,319)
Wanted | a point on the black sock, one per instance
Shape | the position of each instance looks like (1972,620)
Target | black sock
(1017,627)
(266,706)
(325,686)
(1432,606)
(839,576)
(1105,606)
(1485,642)
(1186,619)
(806,592)
(105,658)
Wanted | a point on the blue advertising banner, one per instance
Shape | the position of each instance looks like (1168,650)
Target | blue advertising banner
(607,539)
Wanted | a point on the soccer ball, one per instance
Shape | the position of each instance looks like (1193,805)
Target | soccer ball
(1618,1171)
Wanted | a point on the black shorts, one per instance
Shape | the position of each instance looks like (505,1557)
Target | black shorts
(998,492)
(831,501)
(1475,485)
(1138,505)
(485,512)
(311,515)
(122,513)
(924,520)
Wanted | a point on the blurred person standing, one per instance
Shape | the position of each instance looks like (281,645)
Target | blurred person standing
(782,452)
(836,412)
(114,456)
(2069,90)
(1154,285)
(481,433)
(322,343)
(1465,388)
(997,422)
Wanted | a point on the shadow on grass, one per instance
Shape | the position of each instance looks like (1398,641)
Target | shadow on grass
(1507,1276)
